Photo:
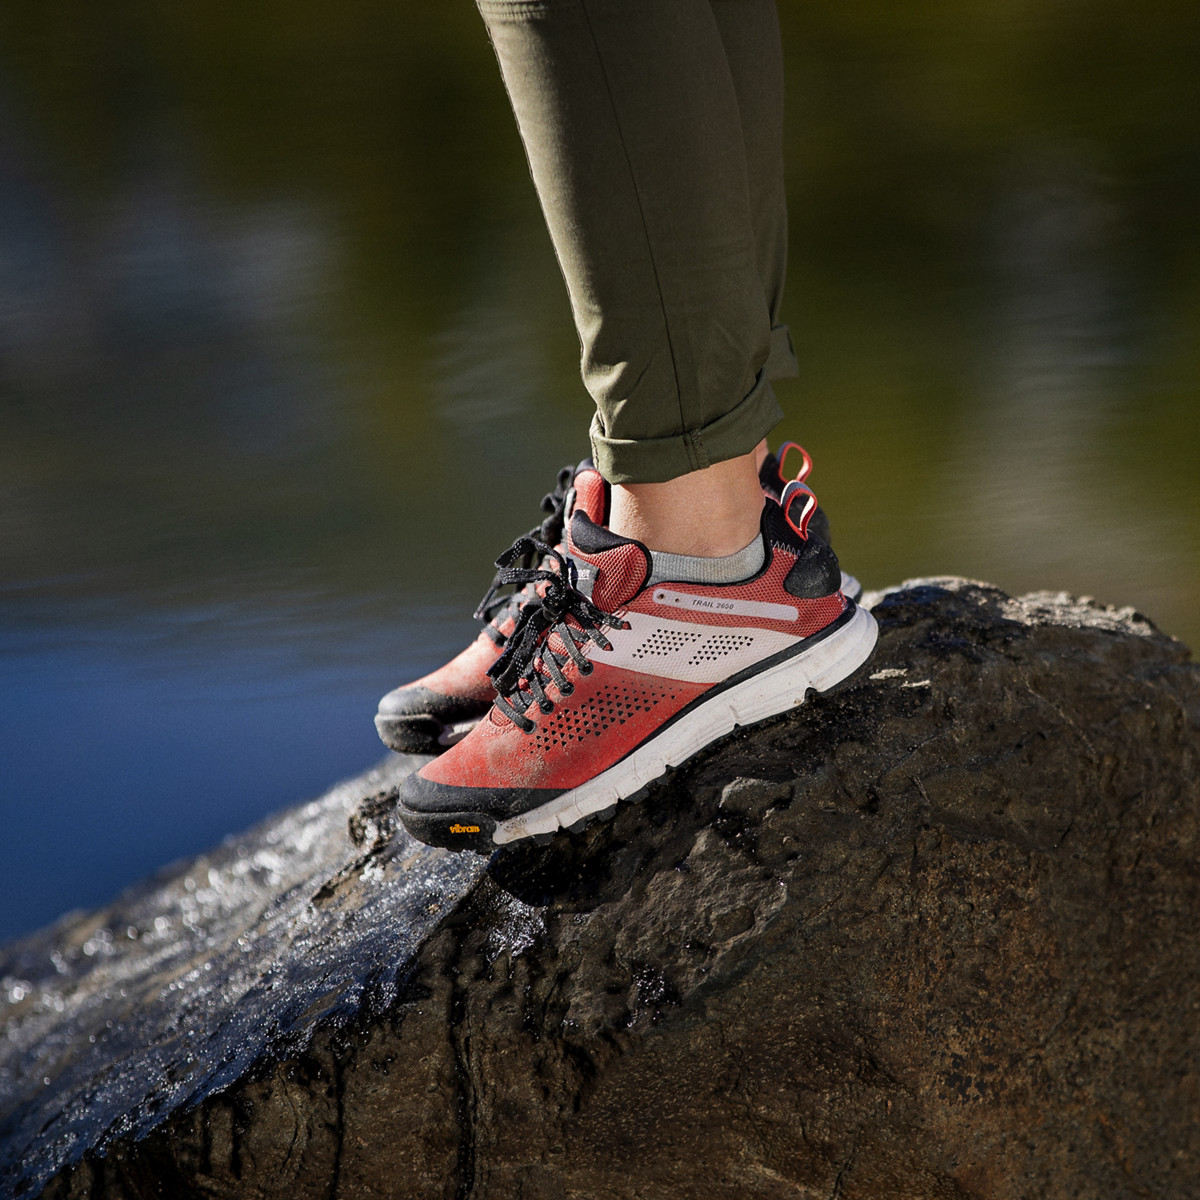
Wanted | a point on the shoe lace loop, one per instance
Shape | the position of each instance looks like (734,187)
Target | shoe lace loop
(550,532)
(528,658)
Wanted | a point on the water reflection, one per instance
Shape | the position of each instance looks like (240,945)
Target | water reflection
(1032,453)
(285,361)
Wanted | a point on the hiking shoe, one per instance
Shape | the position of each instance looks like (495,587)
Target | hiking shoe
(607,681)
(441,708)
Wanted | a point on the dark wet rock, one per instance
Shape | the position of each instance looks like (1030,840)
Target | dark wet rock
(932,936)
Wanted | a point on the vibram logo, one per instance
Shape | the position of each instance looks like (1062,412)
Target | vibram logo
(464,828)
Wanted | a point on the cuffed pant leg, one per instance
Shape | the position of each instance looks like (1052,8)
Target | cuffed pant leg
(630,119)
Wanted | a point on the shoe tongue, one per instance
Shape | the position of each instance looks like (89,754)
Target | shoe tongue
(612,569)
(591,493)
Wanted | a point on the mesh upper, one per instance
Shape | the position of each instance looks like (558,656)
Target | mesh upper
(615,703)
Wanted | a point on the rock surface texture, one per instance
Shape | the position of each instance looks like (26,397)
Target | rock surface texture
(930,936)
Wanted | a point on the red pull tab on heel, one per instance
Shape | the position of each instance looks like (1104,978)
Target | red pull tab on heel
(805,465)
(793,491)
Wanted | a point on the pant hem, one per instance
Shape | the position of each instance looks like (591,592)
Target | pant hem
(656,460)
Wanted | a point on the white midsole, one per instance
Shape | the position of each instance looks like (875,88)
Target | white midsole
(764,695)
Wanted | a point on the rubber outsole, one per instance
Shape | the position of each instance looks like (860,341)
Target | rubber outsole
(816,667)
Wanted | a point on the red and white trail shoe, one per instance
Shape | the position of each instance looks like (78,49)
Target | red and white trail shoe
(606,683)
(441,708)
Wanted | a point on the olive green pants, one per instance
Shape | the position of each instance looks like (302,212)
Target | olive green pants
(654,135)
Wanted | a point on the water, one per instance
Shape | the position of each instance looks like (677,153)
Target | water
(285,361)
(127,747)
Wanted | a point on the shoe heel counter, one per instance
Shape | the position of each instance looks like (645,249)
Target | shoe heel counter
(815,573)
(818,526)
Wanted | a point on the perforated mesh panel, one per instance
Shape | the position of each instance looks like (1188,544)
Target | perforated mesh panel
(720,646)
(664,642)
(584,717)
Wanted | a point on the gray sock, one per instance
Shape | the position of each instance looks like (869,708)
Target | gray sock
(686,568)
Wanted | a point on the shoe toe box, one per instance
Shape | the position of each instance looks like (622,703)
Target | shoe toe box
(418,720)
(413,700)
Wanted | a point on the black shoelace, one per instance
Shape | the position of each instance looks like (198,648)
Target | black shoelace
(493,608)
(528,657)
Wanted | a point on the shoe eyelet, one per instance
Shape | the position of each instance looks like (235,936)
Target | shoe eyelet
(547,706)
(566,689)
(588,670)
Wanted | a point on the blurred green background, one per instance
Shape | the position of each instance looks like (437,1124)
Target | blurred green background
(285,361)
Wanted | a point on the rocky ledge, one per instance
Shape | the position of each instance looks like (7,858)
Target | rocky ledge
(930,936)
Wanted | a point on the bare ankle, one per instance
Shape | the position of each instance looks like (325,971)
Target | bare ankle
(709,513)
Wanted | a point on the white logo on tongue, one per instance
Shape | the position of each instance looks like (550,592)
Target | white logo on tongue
(585,577)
